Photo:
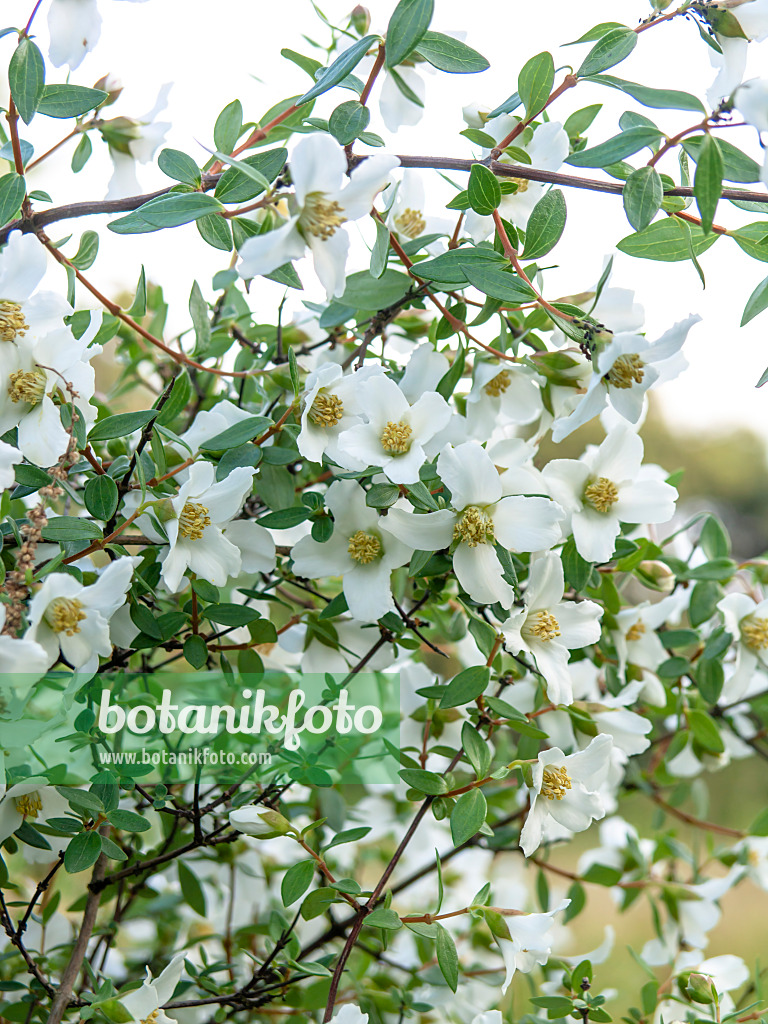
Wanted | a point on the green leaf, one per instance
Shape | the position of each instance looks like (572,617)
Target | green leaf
(215,231)
(710,679)
(128,821)
(484,191)
(236,186)
(450,267)
(596,32)
(499,284)
(339,70)
(535,82)
(448,54)
(466,686)
(87,251)
(237,434)
(121,424)
(756,303)
(198,311)
(382,495)
(545,225)
(714,538)
(643,195)
(101,497)
(82,154)
(708,181)
(579,121)
(82,852)
(705,731)
(380,250)
(64,528)
(612,48)
(179,166)
(753,239)
(12,189)
(759,826)
(600,874)
(657,98)
(191,889)
(615,149)
(406,28)
(296,880)
(467,816)
(424,781)
(308,64)
(666,240)
(69,100)
(447,957)
(476,749)
(347,121)
(452,376)
(366,292)
(231,614)
(168,211)
(382,917)
(737,166)
(228,126)
(575,568)
(26,77)
(285,518)
(195,651)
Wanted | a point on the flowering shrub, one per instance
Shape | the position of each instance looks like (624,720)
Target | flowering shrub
(362,497)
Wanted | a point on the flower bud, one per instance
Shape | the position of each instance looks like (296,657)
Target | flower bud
(657,576)
(361,19)
(473,116)
(701,989)
(164,510)
(261,824)
(110,84)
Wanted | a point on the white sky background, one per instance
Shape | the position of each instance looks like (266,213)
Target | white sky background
(216,52)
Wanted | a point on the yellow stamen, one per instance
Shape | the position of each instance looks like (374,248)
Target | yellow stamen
(29,805)
(498,385)
(321,216)
(364,547)
(636,630)
(602,494)
(410,223)
(546,627)
(193,520)
(474,528)
(326,410)
(626,371)
(522,184)
(12,322)
(151,1018)
(395,438)
(754,633)
(555,783)
(64,614)
(27,386)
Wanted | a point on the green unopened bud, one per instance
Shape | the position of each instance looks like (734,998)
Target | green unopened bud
(111,85)
(120,132)
(261,824)
(361,19)
(700,988)
(164,510)
(657,576)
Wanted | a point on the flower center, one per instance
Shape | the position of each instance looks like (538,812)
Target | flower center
(410,223)
(555,782)
(498,385)
(626,371)
(753,858)
(754,633)
(29,805)
(12,322)
(395,438)
(27,386)
(474,528)
(193,520)
(545,627)
(602,494)
(364,547)
(321,216)
(522,184)
(151,1018)
(326,410)
(636,630)
(64,615)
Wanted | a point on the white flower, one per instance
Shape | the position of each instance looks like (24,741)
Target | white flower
(696,916)
(529,942)
(72,620)
(752,16)
(359,551)
(331,404)
(209,423)
(756,849)
(33,799)
(198,514)
(350,1014)
(74,27)
(751,101)
(548,627)
(730,66)
(395,107)
(145,1004)
(546,150)
(136,140)
(9,457)
(26,312)
(408,217)
(747,622)
(501,395)
(605,488)
(395,433)
(321,204)
(22,662)
(637,642)
(626,367)
(628,730)
(478,518)
(565,787)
